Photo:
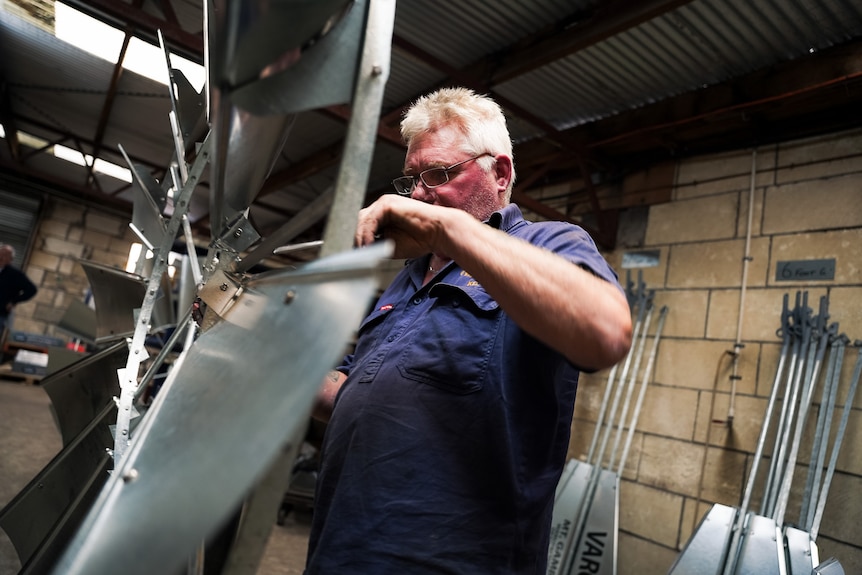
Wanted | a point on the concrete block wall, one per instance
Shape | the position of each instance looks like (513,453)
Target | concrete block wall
(807,205)
(68,233)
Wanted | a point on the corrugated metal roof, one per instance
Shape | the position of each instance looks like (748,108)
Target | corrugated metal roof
(697,45)
(461,33)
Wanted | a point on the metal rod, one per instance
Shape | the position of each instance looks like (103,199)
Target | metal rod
(644,382)
(746,259)
(307,217)
(298,247)
(629,387)
(767,504)
(602,409)
(807,392)
(163,353)
(821,430)
(836,446)
(595,471)
(612,413)
(352,179)
(639,304)
(742,516)
(789,407)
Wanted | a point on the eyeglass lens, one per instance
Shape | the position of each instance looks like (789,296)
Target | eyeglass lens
(431,178)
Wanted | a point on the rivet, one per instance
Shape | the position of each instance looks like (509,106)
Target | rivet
(289,296)
(130,475)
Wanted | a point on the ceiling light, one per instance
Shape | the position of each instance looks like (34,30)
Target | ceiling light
(105,41)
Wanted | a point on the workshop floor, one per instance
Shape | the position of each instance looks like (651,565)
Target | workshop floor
(29,439)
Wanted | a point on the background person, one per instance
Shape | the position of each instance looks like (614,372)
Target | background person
(15,286)
(449,424)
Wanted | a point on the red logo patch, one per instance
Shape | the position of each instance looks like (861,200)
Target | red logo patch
(386,307)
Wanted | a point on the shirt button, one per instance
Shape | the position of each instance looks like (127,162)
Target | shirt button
(417,300)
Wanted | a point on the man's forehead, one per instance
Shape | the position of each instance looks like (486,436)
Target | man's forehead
(433,155)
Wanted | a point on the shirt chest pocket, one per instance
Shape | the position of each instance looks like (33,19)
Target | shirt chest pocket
(452,344)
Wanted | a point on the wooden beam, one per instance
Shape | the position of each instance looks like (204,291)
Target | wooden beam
(609,19)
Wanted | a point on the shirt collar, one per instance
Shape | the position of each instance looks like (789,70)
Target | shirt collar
(506,218)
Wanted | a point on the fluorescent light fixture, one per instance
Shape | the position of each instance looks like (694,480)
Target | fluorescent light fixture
(101,166)
(2,131)
(113,170)
(76,157)
(31,141)
(104,41)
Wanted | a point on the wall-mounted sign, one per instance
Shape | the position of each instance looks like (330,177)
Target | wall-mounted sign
(805,270)
(645,259)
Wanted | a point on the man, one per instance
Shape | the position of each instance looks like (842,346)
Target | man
(450,423)
(15,287)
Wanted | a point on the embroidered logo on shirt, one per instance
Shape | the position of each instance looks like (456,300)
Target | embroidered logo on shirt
(472,282)
(386,307)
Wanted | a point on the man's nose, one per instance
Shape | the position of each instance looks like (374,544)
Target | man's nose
(420,192)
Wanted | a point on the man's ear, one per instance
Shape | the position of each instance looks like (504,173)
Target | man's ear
(503,171)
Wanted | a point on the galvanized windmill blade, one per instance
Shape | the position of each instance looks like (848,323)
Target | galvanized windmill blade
(243,390)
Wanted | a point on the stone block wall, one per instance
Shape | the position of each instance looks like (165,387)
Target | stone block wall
(685,457)
(68,233)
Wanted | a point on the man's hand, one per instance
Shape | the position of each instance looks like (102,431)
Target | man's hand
(414,226)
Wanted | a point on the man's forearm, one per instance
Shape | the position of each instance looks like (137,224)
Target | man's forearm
(325,400)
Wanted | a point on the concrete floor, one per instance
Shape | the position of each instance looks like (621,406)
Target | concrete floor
(29,439)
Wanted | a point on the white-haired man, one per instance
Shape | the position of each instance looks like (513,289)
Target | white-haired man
(449,424)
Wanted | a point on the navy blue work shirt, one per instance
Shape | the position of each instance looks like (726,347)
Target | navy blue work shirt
(449,436)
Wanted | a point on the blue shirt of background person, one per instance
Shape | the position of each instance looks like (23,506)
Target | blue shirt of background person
(15,286)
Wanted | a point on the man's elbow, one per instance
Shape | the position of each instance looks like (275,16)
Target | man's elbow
(612,344)
(619,343)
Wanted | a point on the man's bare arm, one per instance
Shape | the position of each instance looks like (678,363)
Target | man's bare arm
(325,400)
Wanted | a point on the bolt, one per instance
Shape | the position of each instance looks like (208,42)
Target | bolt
(289,297)
(130,475)
(237,233)
(223,287)
(376,70)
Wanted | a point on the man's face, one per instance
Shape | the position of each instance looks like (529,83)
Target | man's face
(469,188)
(5,257)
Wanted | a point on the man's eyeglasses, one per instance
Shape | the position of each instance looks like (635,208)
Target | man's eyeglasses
(431,178)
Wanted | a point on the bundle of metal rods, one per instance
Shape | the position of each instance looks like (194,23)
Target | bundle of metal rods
(584,525)
(808,342)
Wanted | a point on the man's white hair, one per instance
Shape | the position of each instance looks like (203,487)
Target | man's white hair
(479,118)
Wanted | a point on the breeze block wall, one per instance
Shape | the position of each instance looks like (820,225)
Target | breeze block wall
(67,233)
(685,456)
